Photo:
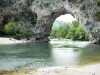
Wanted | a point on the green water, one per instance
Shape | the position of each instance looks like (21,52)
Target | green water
(55,53)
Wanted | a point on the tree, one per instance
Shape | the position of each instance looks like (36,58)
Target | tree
(12,28)
(54,33)
(60,32)
(73,31)
(27,34)
(63,31)
(77,32)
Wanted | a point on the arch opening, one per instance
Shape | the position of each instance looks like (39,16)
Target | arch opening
(67,27)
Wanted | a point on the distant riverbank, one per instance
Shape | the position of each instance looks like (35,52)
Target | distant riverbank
(4,40)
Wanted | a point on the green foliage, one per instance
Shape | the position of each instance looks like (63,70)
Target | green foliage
(80,34)
(12,29)
(72,31)
(27,34)
(76,32)
(16,11)
(98,2)
(97,15)
(54,32)
(60,32)
(29,15)
(17,36)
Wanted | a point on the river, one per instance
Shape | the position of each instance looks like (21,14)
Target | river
(56,53)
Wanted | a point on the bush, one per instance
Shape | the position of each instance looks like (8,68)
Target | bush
(27,34)
(12,28)
(59,32)
(77,32)
(18,36)
(97,15)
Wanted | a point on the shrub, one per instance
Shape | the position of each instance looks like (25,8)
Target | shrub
(27,34)
(97,15)
(29,15)
(18,36)
(12,28)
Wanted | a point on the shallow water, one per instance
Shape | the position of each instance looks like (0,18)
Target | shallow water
(55,53)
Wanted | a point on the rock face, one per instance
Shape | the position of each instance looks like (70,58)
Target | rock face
(83,10)
(48,10)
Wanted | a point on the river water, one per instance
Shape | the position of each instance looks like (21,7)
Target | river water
(56,53)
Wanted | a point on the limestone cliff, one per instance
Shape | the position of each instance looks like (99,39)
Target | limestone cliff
(87,12)
(83,10)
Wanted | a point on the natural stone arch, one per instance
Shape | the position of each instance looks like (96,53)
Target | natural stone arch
(48,10)
(45,23)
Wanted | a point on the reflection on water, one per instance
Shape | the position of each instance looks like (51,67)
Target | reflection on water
(90,54)
(55,53)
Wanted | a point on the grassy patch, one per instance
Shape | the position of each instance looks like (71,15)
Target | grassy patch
(18,72)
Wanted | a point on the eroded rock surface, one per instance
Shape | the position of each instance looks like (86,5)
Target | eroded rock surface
(84,11)
(48,10)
